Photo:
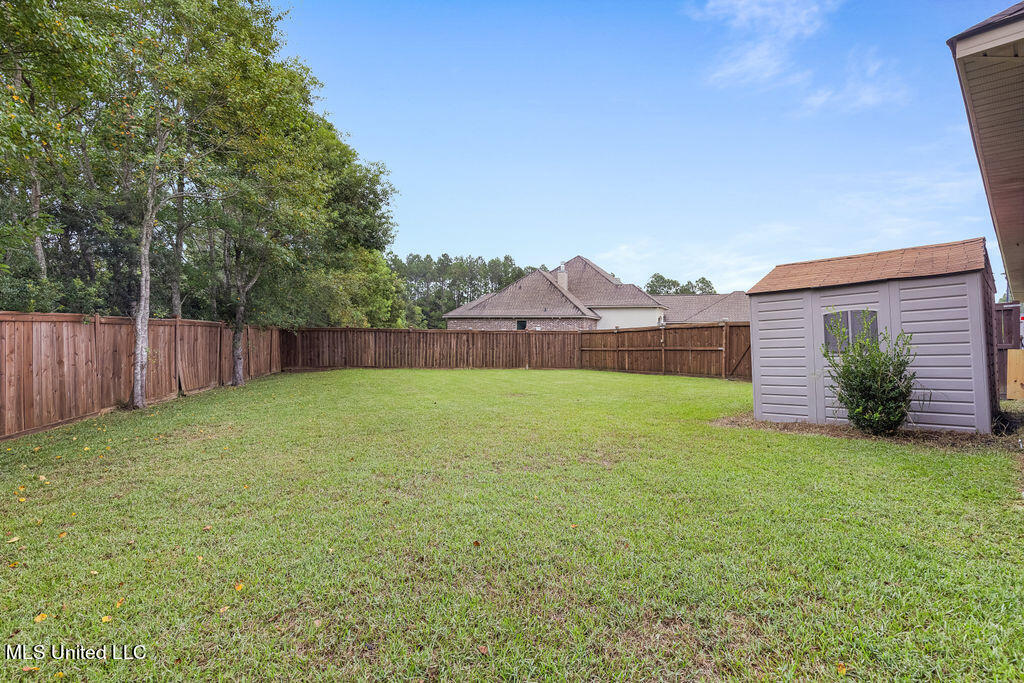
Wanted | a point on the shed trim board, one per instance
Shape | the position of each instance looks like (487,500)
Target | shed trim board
(944,313)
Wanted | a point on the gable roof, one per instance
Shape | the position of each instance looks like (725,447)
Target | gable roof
(596,287)
(536,295)
(934,259)
(1008,15)
(706,308)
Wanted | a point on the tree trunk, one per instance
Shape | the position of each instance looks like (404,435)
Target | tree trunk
(211,247)
(142,308)
(142,315)
(35,196)
(237,371)
(179,236)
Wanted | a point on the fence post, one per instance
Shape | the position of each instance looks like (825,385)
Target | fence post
(579,349)
(97,356)
(220,354)
(178,383)
(663,350)
(618,363)
(725,346)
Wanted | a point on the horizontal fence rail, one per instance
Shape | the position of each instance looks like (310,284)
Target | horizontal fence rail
(59,367)
(711,350)
(701,350)
(324,348)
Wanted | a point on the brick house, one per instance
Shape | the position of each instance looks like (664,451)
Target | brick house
(578,295)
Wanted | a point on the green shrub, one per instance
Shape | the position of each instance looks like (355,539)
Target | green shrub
(870,373)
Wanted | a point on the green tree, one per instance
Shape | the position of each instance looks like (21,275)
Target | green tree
(658,284)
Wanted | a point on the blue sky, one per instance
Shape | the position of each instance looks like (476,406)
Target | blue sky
(712,137)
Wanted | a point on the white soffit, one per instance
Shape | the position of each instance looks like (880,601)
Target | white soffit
(991,70)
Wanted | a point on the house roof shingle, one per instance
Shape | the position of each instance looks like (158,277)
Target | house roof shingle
(934,259)
(1008,15)
(596,287)
(706,308)
(536,295)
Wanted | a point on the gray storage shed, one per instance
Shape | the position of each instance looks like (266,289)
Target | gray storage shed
(943,294)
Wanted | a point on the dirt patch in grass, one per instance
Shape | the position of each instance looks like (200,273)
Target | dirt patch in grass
(954,441)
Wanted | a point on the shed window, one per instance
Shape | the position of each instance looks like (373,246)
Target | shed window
(851,324)
(520,324)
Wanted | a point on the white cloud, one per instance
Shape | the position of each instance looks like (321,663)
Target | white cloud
(764,35)
(736,262)
(853,214)
(870,82)
(766,31)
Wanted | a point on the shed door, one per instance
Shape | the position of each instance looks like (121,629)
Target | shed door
(846,304)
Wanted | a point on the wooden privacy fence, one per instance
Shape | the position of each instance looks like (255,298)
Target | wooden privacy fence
(703,350)
(58,367)
(324,348)
(712,350)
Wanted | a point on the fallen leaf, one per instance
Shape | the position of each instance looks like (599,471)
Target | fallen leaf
(316,622)
(105,619)
(93,572)
(574,525)
(239,586)
(21,500)
(199,558)
(12,565)
(40,617)
(476,543)
(62,534)
(120,601)
(223,609)
(12,539)
(482,649)
(30,668)
(207,527)
(842,669)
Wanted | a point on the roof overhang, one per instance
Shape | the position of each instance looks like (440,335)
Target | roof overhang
(990,65)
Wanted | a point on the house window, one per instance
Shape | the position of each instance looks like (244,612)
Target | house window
(849,325)
(520,324)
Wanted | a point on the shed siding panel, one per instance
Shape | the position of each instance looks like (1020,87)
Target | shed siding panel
(780,347)
(946,315)
(938,312)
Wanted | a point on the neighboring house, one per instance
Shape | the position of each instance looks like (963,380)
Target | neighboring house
(706,308)
(578,295)
(942,294)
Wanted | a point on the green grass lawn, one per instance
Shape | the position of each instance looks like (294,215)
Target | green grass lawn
(521,524)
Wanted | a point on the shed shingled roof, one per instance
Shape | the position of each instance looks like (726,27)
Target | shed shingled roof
(934,259)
